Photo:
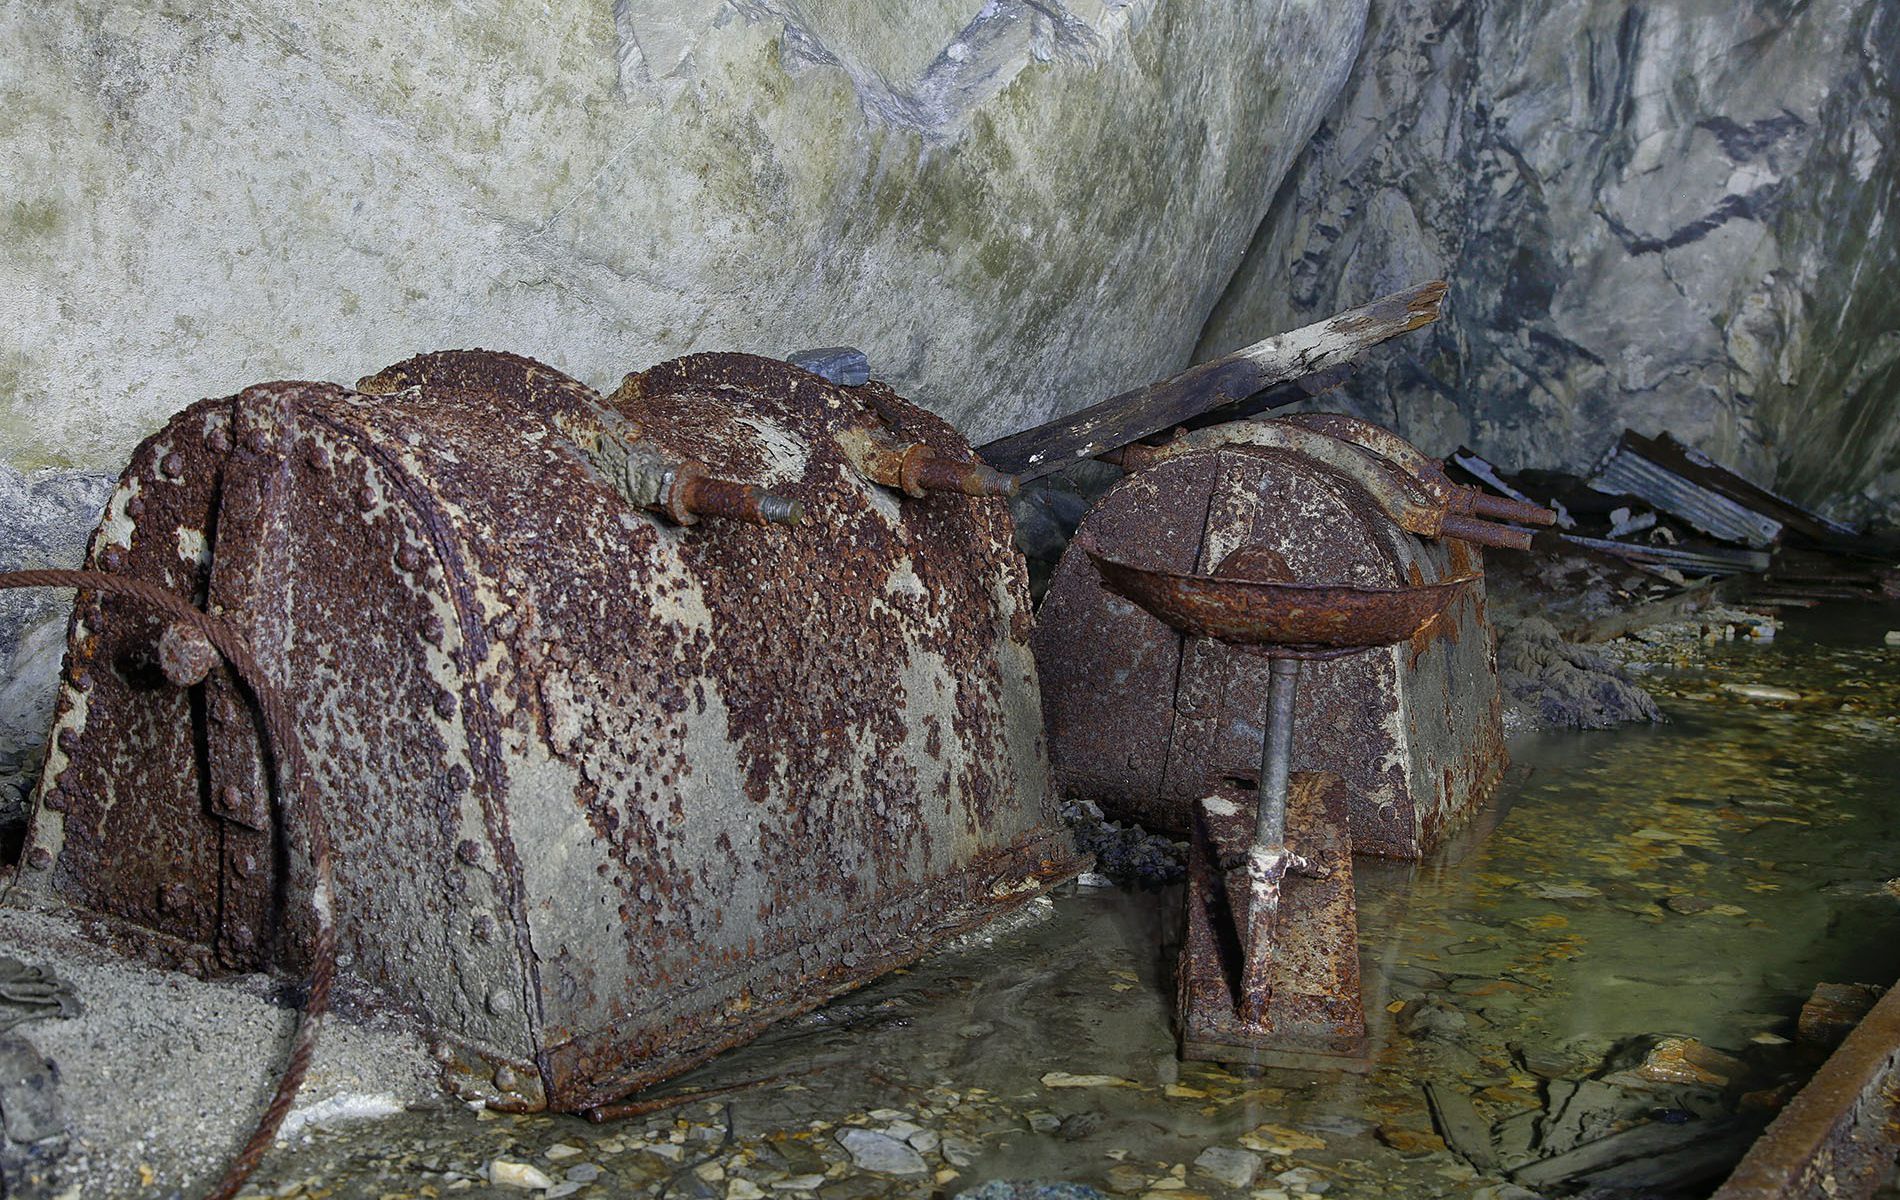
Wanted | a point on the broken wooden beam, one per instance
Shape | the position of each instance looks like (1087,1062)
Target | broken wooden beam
(1126,418)
(1656,1141)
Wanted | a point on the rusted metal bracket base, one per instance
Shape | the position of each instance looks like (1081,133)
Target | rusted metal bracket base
(1840,1134)
(1315,1018)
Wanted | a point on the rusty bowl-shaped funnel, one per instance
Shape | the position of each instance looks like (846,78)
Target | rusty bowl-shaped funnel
(1277,616)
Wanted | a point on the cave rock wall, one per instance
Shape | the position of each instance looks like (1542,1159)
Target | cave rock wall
(1668,216)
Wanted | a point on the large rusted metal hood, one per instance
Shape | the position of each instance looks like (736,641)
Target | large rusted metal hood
(607,793)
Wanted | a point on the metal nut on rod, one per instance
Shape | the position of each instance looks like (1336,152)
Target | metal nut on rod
(683,491)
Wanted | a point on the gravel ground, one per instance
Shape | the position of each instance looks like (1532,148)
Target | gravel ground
(161,1076)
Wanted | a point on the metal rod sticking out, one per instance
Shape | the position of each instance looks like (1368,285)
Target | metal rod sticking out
(1276,753)
(1269,859)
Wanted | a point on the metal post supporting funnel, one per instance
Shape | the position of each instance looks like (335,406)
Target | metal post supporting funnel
(1258,984)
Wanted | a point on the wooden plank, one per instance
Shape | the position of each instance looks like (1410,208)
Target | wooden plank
(1130,416)
(1626,1150)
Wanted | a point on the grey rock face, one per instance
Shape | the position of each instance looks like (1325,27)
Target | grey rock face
(1014,208)
(1671,216)
(45,519)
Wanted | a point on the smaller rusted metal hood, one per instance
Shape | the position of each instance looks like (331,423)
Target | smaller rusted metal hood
(1141,718)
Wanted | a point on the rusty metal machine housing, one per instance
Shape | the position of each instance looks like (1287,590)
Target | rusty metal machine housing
(618,764)
(1141,718)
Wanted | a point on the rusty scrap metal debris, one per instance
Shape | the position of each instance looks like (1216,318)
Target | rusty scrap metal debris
(580,736)
(1412,490)
(1840,1134)
(1249,602)
(1184,711)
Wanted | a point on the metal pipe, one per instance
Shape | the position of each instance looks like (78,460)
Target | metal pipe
(1480,504)
(1276,754)
(1484,533)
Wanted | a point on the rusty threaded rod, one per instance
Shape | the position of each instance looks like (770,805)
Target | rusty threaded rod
(1484,533)
(935,473)
(1500,508)
(705,495)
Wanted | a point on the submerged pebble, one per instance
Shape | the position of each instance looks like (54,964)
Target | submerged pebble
(1235,1168)
(504,1172)
(882,1153)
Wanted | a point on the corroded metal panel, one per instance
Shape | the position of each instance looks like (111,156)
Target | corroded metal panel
(1840,1135)
(1414,730)
(607,793)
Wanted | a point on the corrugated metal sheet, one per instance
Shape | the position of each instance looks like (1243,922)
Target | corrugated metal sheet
(1703,560)
(1626,472)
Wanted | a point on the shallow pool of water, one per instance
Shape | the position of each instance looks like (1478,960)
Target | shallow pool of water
(1693,880)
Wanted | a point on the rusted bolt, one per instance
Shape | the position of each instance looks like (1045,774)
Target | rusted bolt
(692,493)
(445,704)
(257,442)
(506,1079)
(932,472)
(185,654)
(68,740)
(112,558)
(458,779)
(39,858)
(442,1052)
(468,851)
(408,557)
(82,680)
(1484,533)
(174,898)
(231,798)
(53,800)
(218,441)
(366,497)
(173,465)
(431,629)
(135,507)
(500,1002)
(244,864)
(243,939)
(318,456)
(483,928)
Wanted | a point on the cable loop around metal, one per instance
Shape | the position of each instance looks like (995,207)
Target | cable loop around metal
(286,756)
